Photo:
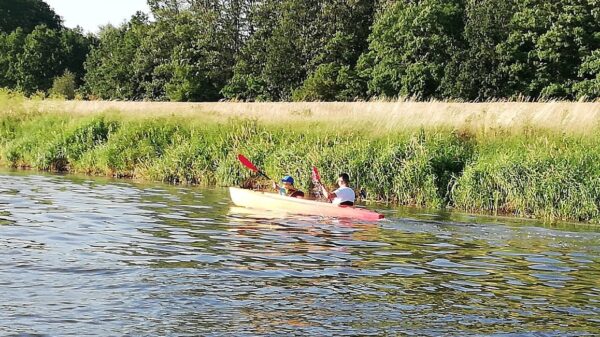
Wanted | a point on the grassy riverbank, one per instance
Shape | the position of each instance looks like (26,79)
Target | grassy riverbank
(532,172)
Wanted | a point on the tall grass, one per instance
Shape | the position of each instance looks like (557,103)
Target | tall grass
(541,175)
(408,168)
(560,116)
(532,172)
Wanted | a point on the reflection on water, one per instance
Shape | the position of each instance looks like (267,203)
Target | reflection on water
(81,256)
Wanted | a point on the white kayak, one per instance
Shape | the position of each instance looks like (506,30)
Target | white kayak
(273,201)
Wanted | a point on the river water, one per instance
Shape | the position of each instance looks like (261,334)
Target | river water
(83,256)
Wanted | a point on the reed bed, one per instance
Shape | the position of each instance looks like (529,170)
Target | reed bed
(535,172)
(560,116)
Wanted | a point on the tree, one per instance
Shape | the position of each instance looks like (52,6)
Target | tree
(197,66)
(546,45)
(162,9)
(334,79)
(41,60)
(248,81)
(27,14)
(410,46)
(110,68)
(293,40)
(76,48)
(589,72)
(5,47)
(11,46)
(331,74)
(153,53)
(30,62)
(184,56)
(64,86)
(474,73)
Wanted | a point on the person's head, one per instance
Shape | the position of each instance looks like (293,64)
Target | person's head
(343,179)
(287,182)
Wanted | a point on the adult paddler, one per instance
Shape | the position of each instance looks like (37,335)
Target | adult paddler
(344,195)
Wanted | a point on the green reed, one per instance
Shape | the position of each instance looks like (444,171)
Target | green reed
(531,173)
(542,175)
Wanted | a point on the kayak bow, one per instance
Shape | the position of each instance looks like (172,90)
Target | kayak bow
(276,202)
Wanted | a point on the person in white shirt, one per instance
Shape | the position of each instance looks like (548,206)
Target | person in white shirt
(343,196)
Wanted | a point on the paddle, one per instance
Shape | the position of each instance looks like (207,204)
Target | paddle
(316,177)
(251,166)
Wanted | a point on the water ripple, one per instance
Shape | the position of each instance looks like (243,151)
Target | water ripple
(81,256)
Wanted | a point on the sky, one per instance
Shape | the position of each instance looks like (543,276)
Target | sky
(91,14)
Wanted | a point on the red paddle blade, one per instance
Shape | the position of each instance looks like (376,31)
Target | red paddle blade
(247,162)
(315,174)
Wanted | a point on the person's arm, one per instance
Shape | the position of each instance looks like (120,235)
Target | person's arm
(327,194)
(278,188)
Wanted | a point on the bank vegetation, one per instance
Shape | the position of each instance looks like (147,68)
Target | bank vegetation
(531,171)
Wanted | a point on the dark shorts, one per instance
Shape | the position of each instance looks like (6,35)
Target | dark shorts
(347,203)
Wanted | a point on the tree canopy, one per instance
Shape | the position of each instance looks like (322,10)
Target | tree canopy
(313,50)
(27,14)
(35,48)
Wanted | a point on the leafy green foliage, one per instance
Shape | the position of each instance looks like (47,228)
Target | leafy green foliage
(474,73)
(64,86)
(11,47)
(183,57)
(109,66)
(314,50)
(410,45)
(273,61)
(76,47)
(41,60)
(197,64)
(335,78)
(27,14)
(589,71)
(302,50)
(546,44)
(31,62)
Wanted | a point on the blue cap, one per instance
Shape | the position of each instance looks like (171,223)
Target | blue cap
(287,179)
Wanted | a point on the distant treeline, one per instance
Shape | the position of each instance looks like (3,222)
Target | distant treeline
(325,50)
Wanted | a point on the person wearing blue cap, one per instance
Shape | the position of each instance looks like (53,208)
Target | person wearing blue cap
(287,188)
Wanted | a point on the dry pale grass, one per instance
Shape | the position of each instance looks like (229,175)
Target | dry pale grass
(571,117)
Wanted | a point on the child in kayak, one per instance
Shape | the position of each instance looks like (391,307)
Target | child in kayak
(343,196)
(288,188)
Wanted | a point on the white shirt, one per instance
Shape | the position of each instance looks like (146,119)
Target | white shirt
(343,194)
